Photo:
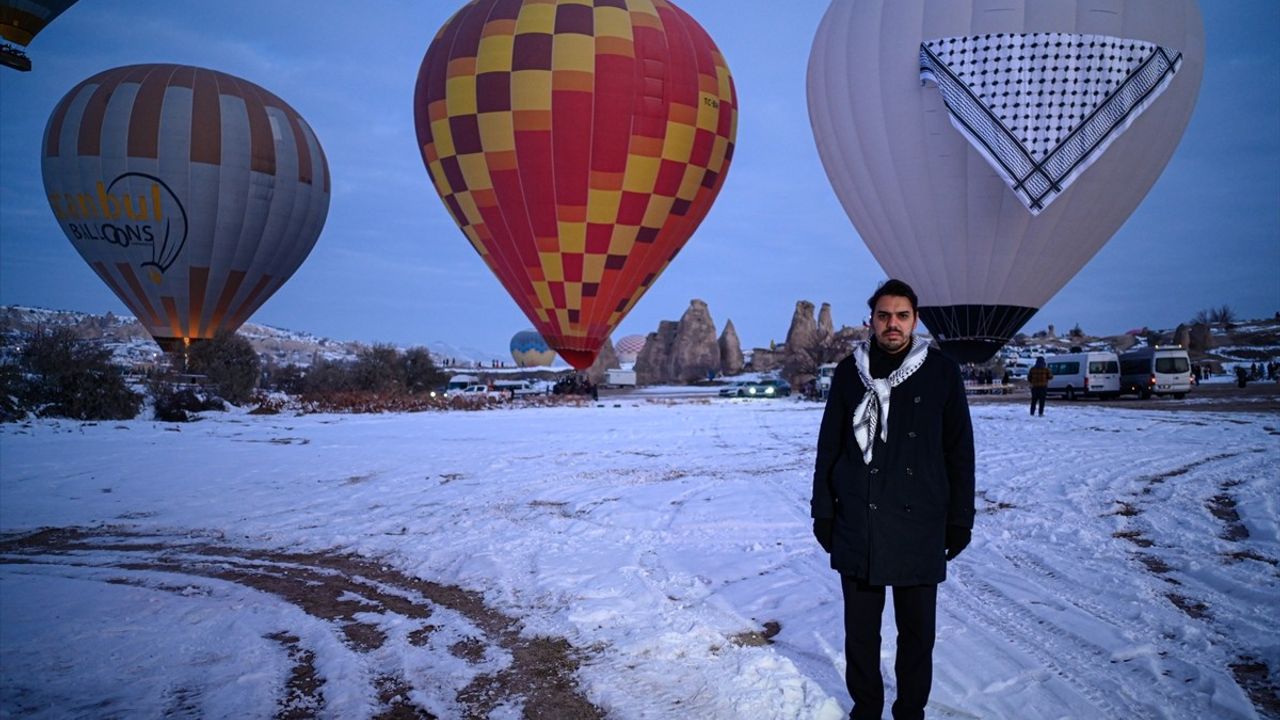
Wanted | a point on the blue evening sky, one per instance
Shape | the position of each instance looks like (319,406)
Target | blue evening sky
(391,266)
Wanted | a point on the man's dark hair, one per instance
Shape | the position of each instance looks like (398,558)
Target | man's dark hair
(896,288)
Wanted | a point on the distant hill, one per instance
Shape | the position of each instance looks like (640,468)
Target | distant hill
(1246,341)
(131,344)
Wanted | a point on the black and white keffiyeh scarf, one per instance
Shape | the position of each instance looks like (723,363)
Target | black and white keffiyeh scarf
(1042,107)
(872,414)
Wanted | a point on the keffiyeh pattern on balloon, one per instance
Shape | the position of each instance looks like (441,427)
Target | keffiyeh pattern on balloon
(1042,107)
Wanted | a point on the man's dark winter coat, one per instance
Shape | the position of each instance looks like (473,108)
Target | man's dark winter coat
(891,516)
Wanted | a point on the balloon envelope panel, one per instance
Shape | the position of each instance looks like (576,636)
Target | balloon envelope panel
(192,193)
(577,146)
(930,208)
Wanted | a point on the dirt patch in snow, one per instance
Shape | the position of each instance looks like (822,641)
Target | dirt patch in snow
(344,591)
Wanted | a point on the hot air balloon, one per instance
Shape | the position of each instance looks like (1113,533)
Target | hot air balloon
(986,154)
(20,21)
(629,347)
(528,349)
(577,146)
(193,194)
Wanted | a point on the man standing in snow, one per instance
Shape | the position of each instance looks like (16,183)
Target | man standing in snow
(1038,379)
(893,491)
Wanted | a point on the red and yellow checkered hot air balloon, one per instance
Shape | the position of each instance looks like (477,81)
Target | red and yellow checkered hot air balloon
(578,144)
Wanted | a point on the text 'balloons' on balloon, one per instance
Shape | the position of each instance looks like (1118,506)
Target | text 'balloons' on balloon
(990,191)
(528,349)
(192,193)
(578,147)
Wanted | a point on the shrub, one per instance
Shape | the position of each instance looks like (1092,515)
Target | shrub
(230,363)
(377,369)
(419,371)
(289,379)
(60,375)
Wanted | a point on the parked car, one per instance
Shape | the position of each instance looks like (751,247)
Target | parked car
(767,388)
(734,390)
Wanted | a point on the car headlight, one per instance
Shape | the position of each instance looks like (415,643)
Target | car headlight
(768,391)
(751,391)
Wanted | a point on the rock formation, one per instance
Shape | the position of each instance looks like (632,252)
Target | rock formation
(766,359)
(730,350)
(653,360)
(695,352)
(605,360)
(1182,335)
(825,328)
(1201,337)
(803,332)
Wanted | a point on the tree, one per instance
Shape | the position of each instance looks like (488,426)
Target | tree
(419,371)
(230,363)
(325,377)
(1075,332)
(1223,315)
(378,369)
(60,375)
(802,363)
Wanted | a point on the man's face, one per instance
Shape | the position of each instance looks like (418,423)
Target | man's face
(893,322)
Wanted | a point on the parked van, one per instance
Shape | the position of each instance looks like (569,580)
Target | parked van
(1156,371)
(1085,374)
(617,377)
(826,371)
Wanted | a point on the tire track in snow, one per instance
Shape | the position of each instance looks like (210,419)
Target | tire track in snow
(1080,663)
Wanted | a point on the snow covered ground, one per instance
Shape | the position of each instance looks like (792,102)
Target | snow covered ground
(1125,564)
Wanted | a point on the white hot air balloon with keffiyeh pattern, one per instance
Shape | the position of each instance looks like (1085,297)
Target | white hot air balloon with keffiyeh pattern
(985,151)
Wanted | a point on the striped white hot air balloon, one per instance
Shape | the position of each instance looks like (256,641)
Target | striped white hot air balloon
(193,194)
(1042,125)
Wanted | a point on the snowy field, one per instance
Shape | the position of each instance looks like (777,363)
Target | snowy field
(1125,564)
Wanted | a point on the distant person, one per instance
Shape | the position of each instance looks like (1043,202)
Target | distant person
(1038,378)
(893,496)
(1242,376)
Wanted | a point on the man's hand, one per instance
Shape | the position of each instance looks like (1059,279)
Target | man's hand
(957,540)
(823,529)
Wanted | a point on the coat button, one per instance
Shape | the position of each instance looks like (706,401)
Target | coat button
(909,471)
(917,398)
(875,470)
(906,508)
(911,434)
(872,506)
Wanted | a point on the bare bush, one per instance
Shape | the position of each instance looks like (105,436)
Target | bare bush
(57,374)
(230,363)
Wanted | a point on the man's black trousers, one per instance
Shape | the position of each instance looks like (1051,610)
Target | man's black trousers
(1038,394)
(915,609)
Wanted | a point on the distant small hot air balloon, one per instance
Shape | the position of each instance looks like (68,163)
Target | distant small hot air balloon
(1041,128)
(629,347)
(528,349)
(20,21)
(193,194)
(578,146)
